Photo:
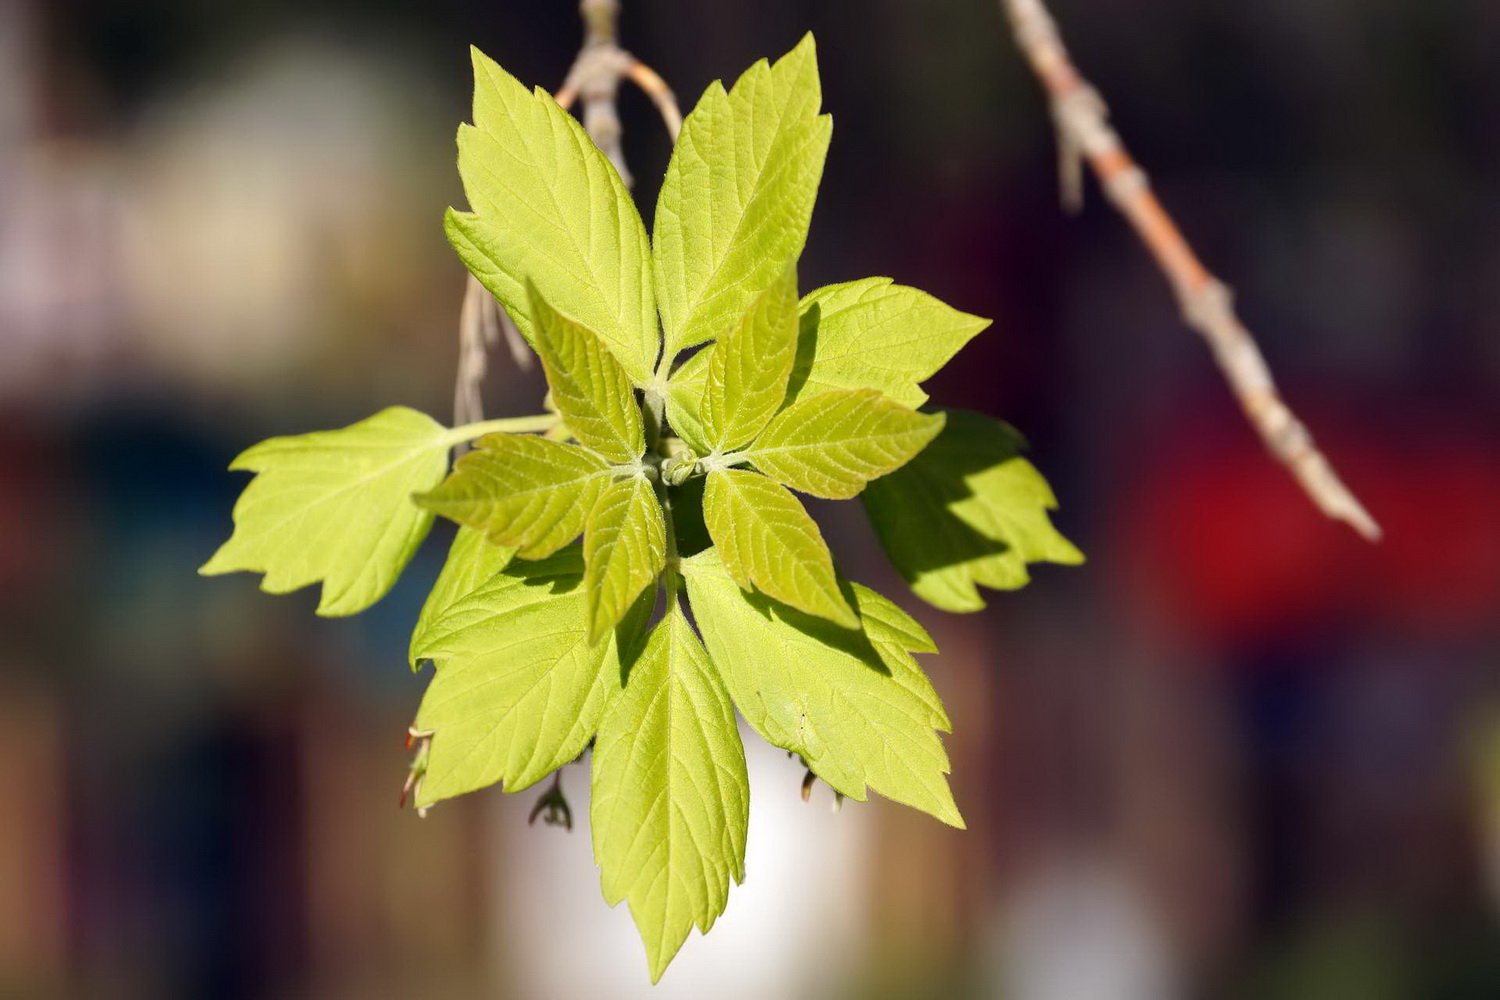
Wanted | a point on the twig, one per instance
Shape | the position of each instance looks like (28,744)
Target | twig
(595,80)
(661,95)
(1084,132)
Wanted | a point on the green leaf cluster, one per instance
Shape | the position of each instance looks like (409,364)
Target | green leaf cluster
(689,386)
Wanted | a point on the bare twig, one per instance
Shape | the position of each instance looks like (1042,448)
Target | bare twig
(661,95)
(595,80)
(1084,132)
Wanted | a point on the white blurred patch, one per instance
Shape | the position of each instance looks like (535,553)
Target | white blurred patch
(791,931)
(1078,929)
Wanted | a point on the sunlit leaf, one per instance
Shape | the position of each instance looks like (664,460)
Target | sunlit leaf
(832,444)
(671,797)
(527,493)
(336,506)
(768,541)
(825,693)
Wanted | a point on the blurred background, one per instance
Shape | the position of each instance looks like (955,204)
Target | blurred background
(1239,754)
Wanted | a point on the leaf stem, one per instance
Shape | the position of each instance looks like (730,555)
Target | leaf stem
(508,425)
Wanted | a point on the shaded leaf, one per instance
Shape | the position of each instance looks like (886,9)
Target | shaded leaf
(968,511)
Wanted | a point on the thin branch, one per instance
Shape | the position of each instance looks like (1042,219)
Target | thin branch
(595,80)
(661,95)
(1084,132)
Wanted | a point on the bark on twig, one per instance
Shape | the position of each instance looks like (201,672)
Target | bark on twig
(1084,132)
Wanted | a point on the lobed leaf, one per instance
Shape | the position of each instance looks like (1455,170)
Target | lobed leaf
(589,388)
(768,541)
(524,492)
(895,636)
(748,368)
(873,334)
(967,512)
(833,444)
(519,689)
(670,801)
(335,506)
(624,548)
(548,206)
(738,195)
(472,560)
(824,693)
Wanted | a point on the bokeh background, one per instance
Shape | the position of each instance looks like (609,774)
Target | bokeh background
(1239,754)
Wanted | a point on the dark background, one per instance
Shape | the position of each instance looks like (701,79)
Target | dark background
(1240,753)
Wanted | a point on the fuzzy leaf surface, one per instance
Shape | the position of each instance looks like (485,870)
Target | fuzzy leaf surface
(874,334)
(524,492)
(518,690)
(738,195)
(336,506)
(670,800)
(624,548)
(967,512)
(547,205)
(825,693)
(832,444)
(589,388)
(748,368)
(769,542)
(472,560)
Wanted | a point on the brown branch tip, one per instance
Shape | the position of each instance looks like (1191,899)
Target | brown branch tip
(1084,132)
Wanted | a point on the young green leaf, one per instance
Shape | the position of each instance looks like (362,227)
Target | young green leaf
(768,541)
(670,799)
(624,548)
(589,388)
(684,397)
(832,444)
(336,506)
(518,690)
(525,492)
(547,205)
(895,636)
(824,693)
(472,560)
(968,511)
(748,368)
(873,334)
(738,195)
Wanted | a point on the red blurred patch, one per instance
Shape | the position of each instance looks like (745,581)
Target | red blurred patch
(1221,539)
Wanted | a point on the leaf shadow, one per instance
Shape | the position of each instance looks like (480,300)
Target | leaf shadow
(940,474)
(807,349)
(852,642)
